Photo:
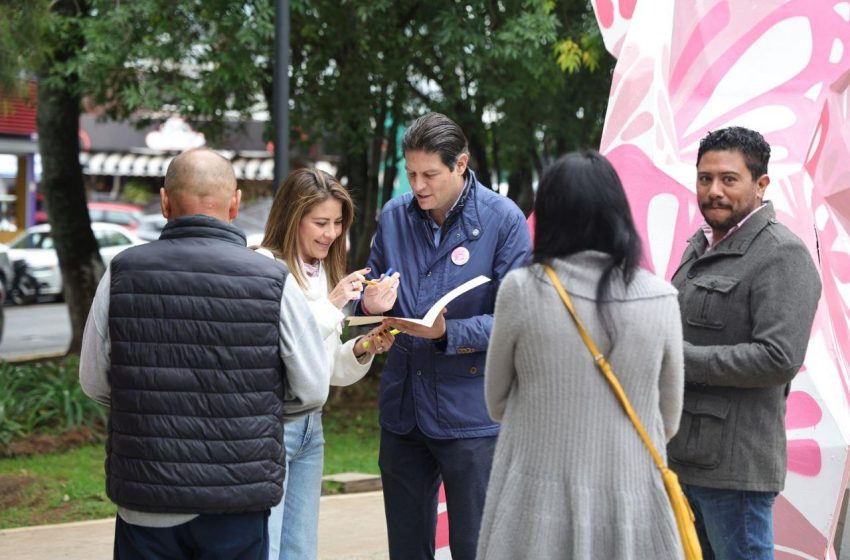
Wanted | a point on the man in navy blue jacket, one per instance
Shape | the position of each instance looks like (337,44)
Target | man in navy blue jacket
(434,420)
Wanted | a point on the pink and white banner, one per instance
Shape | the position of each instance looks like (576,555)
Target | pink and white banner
(781,67)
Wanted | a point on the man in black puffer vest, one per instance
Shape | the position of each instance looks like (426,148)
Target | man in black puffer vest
(201,348)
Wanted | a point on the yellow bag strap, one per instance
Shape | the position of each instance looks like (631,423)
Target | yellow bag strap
(606,370)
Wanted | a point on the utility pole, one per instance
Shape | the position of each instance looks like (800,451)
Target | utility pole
(281,92)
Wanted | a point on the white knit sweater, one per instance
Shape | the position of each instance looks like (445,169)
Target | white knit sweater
(571,479)
(346,369)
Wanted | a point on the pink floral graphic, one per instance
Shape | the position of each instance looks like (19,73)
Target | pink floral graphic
(685,68)
(804,454)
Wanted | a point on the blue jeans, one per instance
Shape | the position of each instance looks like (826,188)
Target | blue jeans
(412,466)
(733,524)
(294,522)
(234,536)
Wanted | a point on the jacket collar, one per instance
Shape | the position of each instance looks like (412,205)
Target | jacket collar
(199,225)
(740,240)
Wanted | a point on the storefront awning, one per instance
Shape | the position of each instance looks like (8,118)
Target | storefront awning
(128,164)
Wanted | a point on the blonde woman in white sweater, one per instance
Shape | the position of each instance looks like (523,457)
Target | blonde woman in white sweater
(306,229)
(571,479)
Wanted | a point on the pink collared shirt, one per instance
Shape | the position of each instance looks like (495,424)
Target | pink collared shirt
(709,233)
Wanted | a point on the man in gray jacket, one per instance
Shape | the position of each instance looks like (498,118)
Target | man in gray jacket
(748,292)
(200,347)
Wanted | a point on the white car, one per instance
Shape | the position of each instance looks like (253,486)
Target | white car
(150,226)
(36,247)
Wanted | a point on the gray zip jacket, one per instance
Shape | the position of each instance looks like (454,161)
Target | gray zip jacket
(747,311)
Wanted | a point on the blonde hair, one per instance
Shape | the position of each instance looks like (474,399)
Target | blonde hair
(298,194)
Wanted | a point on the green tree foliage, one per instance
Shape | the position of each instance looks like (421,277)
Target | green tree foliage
(43,39)
(206,59)
(527,79)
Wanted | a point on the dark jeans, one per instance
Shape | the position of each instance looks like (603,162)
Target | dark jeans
(235,536)
(412,466)
(733,524)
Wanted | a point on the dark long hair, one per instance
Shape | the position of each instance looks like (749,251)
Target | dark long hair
(581,205)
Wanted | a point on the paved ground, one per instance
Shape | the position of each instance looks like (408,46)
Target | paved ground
(41,328)
(351,527)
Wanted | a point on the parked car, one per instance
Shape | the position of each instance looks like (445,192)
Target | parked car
(7,273)
(6,267)
(121,213)
(36,247)
(150,226)
(127,215)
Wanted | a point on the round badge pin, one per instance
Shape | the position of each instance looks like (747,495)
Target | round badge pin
(460,256)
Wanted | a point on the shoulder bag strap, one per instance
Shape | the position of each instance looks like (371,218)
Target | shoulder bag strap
(605,368)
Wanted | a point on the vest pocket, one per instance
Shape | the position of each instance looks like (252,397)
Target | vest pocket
(702,431)
(708,304)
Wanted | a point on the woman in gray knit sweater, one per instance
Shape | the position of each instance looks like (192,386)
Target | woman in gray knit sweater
(571,478)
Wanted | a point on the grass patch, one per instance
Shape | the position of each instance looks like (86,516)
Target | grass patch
(54,488)
(70,486)
(351,440)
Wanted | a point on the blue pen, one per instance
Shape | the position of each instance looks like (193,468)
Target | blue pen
(384,275)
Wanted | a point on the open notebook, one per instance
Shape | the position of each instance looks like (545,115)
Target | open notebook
(429,317)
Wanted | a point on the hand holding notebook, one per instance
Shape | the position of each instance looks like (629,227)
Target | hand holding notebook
(431,316)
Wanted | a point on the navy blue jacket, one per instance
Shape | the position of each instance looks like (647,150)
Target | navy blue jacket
(440,388)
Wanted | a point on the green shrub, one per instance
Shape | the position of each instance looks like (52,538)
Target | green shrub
(137,192)
(10,404)
(44,397)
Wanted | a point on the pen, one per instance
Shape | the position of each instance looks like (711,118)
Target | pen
(373,282)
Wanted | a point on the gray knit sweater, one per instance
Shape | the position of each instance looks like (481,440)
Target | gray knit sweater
(571,478)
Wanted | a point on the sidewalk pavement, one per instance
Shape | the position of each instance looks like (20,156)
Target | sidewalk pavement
(351,527)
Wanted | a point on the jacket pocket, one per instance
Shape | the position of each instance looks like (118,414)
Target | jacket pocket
(460,393)
(702,435)
(708,305)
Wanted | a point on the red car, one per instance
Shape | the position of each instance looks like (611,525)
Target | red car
(121,213)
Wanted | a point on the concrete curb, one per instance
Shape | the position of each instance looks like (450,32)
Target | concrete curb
(69,525)
(31,358)
(353,482)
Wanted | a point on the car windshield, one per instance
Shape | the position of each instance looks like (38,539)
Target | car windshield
(113,216)
(34,240)
(109,238)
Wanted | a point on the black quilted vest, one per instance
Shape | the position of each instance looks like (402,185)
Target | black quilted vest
(197,381)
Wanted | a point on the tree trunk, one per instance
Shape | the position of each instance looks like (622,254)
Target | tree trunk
(58,121)
(478,151)
(497,161)
(390,159)
(519,187)
(364,218)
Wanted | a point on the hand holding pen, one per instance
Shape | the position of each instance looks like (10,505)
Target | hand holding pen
(380,295)
(349,288)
